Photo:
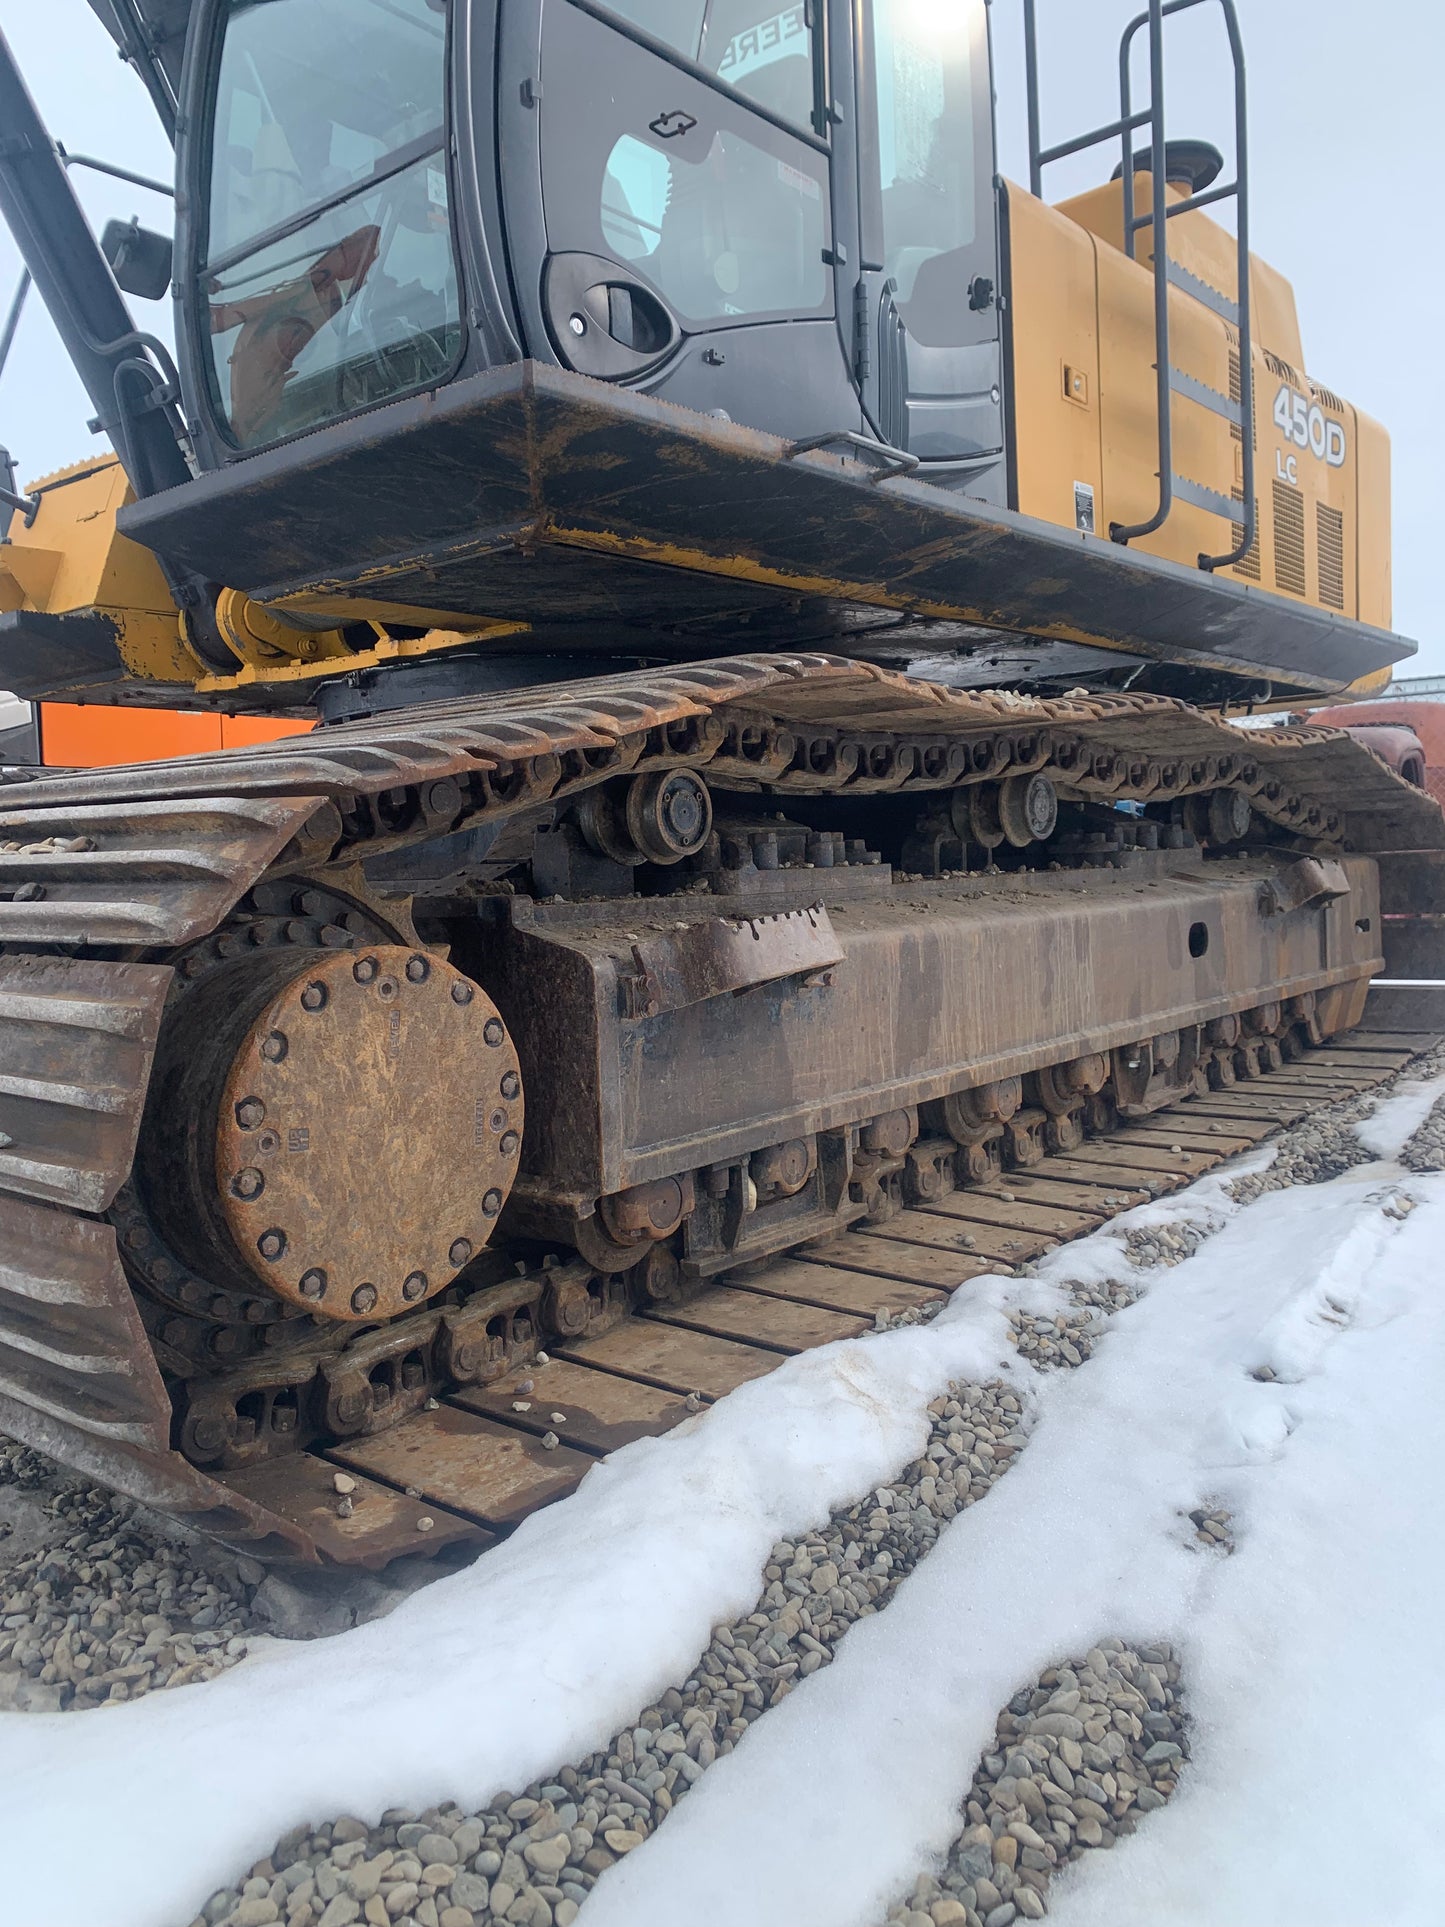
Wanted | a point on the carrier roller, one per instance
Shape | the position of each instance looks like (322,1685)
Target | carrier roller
(342,1071)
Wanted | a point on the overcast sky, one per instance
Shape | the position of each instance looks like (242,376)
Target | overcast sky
(1346,105)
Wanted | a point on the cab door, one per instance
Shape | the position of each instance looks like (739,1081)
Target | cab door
(667,196)
(928,315)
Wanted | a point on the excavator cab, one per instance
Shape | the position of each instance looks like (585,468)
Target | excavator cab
(680,207)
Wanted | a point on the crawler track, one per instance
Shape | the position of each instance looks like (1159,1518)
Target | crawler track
(115,890)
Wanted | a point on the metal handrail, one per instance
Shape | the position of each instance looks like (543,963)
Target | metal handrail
(1160,214)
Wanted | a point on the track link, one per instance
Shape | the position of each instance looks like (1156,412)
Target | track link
(110,880)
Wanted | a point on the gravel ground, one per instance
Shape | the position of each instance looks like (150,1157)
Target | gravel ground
(535,1856)
(1426,1149)
(1325,1146)
(532,1858)
(101,1602)
(1078,1759)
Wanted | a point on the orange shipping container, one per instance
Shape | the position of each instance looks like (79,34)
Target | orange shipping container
(96,736)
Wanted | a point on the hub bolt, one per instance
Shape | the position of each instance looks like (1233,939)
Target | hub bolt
(272,1244)
(250,1113)
(248,1183)
(314,997)
(365,970)
(313,1284)
(492,1203)
(414,1287)
(462,993)
(417,970)
(364,1298)
(460,1252)
(511,1144)
(275,1047)
(511,1086)
(495,1033)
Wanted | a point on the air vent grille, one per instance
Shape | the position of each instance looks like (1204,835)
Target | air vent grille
(1236,395)
(1289,539)
(1330,524)
(1249,567)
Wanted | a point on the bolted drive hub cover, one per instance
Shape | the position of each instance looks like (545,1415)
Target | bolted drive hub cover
(368,1126)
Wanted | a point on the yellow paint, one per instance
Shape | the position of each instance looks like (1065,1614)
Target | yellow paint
(1085,405)
(73,559)
(387,649)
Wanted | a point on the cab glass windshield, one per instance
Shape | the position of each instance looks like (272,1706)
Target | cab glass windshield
(329,277)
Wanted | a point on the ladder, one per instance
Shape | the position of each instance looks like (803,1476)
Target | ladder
(1171,380)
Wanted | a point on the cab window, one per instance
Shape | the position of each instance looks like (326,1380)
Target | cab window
(329,276)
(763,50)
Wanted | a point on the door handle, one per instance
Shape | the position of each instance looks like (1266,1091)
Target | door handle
(603,321)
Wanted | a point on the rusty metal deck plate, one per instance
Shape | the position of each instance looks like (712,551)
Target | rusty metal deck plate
(833,1289)
(382,1525)
(918,1264)
(1154,1160)
(949,1234)
(781,1324)
(593,1411)
(1100,1200)
(489,1472)
(979,1208)
(673,1359)
(1227,1140)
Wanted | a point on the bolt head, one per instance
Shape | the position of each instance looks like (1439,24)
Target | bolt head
(511,1144)
(460,1252)
(462,993)
(315,997)
(511,1086)
(417,970)
(272,1244)
(275,1046)
(364,1298)
(313,1284)
(495,1032)
(248,1183)
(250,1113)
(365,970)
(414,1287)
(492,1204)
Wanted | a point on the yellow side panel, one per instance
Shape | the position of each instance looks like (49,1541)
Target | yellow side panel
(1373,468)
(1205,249)
(1055,361)
(1321,470)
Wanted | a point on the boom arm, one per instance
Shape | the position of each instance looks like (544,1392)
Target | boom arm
(129,389)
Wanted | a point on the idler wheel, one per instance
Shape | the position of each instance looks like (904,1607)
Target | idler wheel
(349,1128)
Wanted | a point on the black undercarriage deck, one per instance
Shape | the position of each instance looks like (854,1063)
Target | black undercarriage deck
(593,512)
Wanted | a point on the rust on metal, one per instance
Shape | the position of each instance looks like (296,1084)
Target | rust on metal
(90,869)
(780,1324)
(672,1359)
(915,1263)
(365,1144)
(978,1208)
(700,961)
(830,1288)
(77,1039)
(594,1411)
(368,1525)
(485,1471)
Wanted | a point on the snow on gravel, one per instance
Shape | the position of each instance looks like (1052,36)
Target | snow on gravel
(1311,1795)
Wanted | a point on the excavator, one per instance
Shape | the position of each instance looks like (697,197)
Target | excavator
(762,601)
